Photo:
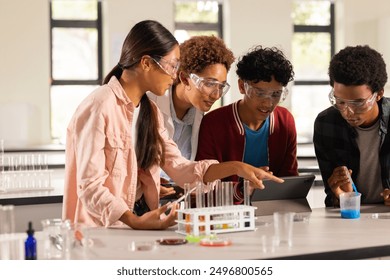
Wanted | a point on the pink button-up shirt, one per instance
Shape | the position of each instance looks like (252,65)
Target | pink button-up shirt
(101,173)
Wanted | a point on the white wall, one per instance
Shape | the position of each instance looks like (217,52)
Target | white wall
(24,71)
(362,22)
(25,56)
(252,22)
(120,15)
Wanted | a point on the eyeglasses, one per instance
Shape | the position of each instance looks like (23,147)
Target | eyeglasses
(170,67)
(277,96)
(209,86)
(355,106)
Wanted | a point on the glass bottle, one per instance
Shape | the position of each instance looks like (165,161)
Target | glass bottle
(30,245)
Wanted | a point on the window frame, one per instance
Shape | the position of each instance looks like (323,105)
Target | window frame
(318,29)
(97,24)
(205,26)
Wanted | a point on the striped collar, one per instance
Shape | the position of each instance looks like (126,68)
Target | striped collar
(240,125)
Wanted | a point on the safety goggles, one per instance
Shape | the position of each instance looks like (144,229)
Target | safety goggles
(170,67)
(209,86)
(277,96)
(358,106)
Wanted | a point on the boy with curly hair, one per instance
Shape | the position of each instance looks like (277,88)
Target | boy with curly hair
(353,134)
(254,129)
(201,81)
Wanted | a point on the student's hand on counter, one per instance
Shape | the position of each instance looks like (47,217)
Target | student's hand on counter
(151,220)
(166,191)
(386,196)
(339,181)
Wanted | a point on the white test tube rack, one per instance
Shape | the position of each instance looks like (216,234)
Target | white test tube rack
(213,220)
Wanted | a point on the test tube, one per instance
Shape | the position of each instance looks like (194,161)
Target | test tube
(227,188)
(1,156)
(10,163)
(44,162)
(247,201)
(187,196)
(2,175)
(20,163)
(218,197)
(246,193)
(200,203)
(187,205)
(227,193)
(199,192)
(218,193)
(210,194)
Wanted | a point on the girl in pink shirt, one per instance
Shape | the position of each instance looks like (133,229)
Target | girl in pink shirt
(117,141)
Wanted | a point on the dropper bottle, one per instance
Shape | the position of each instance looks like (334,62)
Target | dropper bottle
(30,245)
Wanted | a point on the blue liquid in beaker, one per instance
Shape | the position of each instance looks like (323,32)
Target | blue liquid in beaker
(350,214)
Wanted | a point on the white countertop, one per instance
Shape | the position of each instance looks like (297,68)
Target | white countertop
(323,236)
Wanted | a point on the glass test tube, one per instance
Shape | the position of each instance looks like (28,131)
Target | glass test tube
(2,175)
(218,201)
(187,196)
(218,193)
(227,189)
(1,155)
(200,203)
(187,205)
(247,201)
(210,194)
(199,192)
(246,193)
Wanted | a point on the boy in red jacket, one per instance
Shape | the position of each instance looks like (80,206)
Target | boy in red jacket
(254,129)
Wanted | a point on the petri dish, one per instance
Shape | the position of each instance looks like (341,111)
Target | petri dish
(194,239)
(301,217)
(142,246)
(171,241)
(215,242)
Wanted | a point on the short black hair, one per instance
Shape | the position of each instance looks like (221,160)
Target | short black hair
(262,63)
(356,66)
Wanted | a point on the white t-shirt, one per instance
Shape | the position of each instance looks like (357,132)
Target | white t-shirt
(134,129)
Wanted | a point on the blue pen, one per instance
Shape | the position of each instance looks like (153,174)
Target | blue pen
(350,179)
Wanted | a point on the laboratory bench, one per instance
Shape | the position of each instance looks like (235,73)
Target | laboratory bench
(320,235)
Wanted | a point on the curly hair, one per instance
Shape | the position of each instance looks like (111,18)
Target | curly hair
(359,65)
(198,52)
(261,64)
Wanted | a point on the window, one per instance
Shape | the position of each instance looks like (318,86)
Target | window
(313,46)
(76,58)
(194,18)
(197,18)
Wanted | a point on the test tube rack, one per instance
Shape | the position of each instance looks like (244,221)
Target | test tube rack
(24,172)
(213,220)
